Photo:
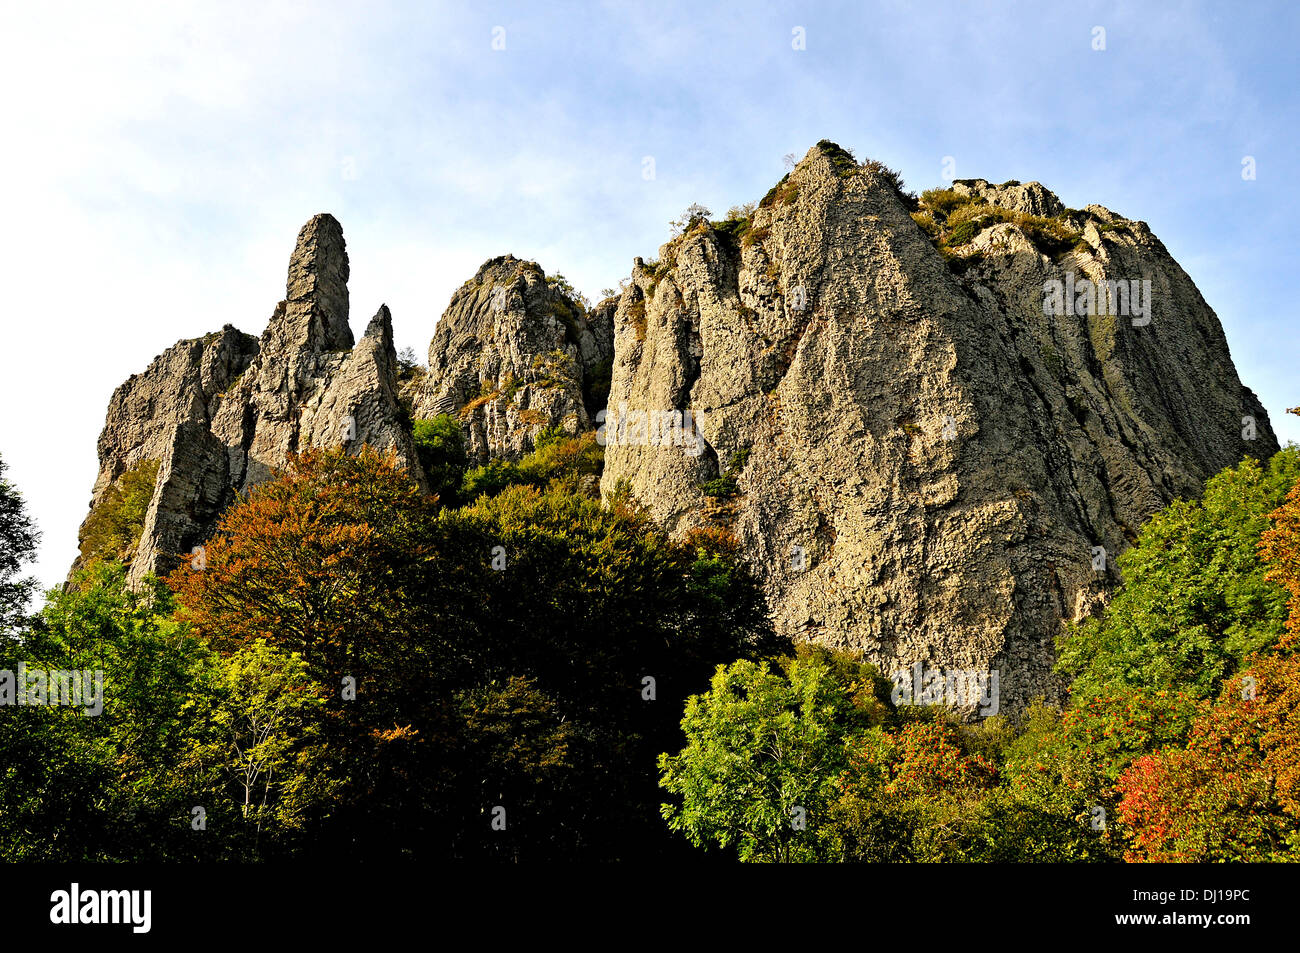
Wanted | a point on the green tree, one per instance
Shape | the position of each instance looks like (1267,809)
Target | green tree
(18,539)
(258,754)
(1195,601)
(765,749)
(440,445)
(76,785)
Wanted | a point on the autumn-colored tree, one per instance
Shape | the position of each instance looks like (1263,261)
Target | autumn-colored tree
(1280,547)
(319,561)
(1232,792)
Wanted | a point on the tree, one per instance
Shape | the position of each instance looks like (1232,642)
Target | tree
(1280,548)
(498,653)
(694,215)
(1196,600)
(18,539)
(79,785)
(1232,791)
(260,739)
(319,561)
(764,753)
(440,445)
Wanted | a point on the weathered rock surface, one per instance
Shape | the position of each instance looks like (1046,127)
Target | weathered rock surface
(1031,198)
(221,413)
(513,354)
(924,460)
(920,463)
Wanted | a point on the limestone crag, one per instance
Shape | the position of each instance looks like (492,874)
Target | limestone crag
(925,456)
(514,354)
(221,413)
(924,462)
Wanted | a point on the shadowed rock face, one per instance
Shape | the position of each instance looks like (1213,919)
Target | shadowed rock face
(938,455)
(920,463)
(513,355)
(220,413)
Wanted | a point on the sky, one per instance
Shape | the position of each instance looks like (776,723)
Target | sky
(158,159)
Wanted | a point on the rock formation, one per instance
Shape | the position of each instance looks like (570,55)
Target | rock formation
(515,353)
(920,463)
(220,413)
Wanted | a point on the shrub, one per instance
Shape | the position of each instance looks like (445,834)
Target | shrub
(693,216)
(963,233)
(943,201)
(927,223)
(723,487)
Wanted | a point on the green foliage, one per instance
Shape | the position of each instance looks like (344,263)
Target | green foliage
(18,539)
(112,530)
(943,201)
(564,309)
(121,785)
(695,214)
(725,485)
(734,228)
(721,488)
(927,223)
(1195,602)
(440,446)
(963,233)
(570,461)
(257,746)
(842,159)
(764,751)
(953,219)
(408,365)
(777,192)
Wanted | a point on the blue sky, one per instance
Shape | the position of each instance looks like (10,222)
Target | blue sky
(160,158)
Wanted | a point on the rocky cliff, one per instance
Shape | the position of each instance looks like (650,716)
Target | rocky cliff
(921,464)
(932,424)
(220,413)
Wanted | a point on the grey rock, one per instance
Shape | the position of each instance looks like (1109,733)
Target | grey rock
(827,360)
(221,413)
(511,357)
(1031,199)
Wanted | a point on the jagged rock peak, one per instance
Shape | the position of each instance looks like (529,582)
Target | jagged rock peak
(212,417)
(516,351)
(316,292)
(918,462)
(1032,198)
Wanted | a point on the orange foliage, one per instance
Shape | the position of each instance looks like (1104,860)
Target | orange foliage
(1233,792)
(313,560)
